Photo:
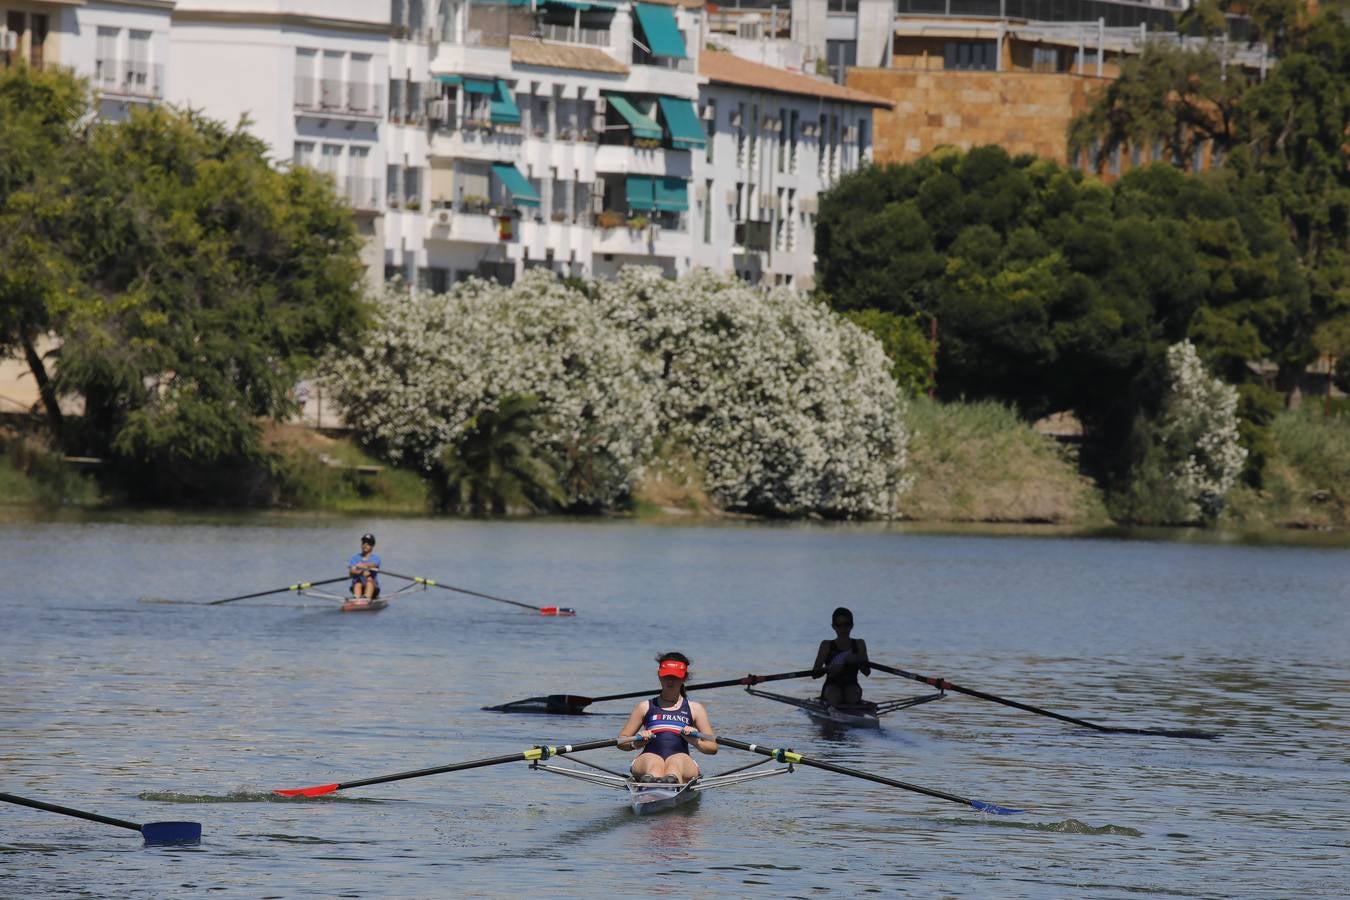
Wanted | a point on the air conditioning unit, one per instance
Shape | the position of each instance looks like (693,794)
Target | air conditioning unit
(9,41)
(808,204)
(438,109)
(441,216)
(767,202)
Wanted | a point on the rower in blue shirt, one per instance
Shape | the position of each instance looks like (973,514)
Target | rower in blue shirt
(364,568)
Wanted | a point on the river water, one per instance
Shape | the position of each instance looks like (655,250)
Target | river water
(120,703)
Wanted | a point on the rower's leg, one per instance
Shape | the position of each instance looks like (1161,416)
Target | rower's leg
(682,765)
(832,694)
(648,764)
(851,695)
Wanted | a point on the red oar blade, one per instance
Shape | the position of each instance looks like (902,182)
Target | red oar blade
(557,611)
(317,791)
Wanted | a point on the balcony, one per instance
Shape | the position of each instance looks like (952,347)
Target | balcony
(478,140)
(566,34)
(129,78)
(335,97)
(472,223)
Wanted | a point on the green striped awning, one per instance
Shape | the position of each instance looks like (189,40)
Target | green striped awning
(640,192)
(516,184)
(479,86)
(502,107)
(642,127)
(671,194)
(686,131)
(663,35)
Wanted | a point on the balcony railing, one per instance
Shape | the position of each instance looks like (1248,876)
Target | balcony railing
(130,78)
(333,95)
(566,34)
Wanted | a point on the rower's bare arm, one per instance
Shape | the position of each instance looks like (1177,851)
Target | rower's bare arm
(707,739)
(822,657)
(864,664)
(632,726)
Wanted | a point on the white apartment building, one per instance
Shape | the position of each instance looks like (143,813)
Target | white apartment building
(484,137)
(776,140)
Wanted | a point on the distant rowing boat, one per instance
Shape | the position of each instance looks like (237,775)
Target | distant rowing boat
(364,605)
(863,715)
(644,798)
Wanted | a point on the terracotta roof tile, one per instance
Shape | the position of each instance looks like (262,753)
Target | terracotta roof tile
(531,52)
(720,67)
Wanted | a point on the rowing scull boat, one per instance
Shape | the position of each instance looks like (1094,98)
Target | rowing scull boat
(658,796)
(863,715)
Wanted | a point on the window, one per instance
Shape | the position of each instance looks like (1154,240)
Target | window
(105,61)
(361,91)
(330,89)
(331,160)
(306,68)
(37,40)
(969,55)
(840,55)
(412,186)
(433,279)
(710,116)
(304,154)
(397,91)
(794,124)
(1045,59)
(138,60)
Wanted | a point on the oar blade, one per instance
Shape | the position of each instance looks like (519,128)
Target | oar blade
(317,790)
(553,704)
(557,611)
(995,808)
(1193,733)
(172,832)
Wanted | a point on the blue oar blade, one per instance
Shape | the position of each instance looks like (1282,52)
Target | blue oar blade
(995,808)
(172,832)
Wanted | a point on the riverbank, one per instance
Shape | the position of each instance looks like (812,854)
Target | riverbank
(968,464)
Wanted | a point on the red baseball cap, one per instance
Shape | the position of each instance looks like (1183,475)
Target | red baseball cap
(672,667)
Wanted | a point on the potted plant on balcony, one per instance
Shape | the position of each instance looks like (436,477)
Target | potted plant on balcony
(475,203)
(558,216)
(647,144)
(413,204)
(609,218)
(637,223)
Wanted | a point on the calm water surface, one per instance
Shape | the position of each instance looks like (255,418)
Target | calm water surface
(154,711)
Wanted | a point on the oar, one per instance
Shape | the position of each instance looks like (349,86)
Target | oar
(534,753)
(788,756)
(543,610)
(290,587)
(575,705)
(153,832)
(945,685)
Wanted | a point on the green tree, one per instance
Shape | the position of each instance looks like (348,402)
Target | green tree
(1181,97)
(496,464)
(211,283)
(907,343)
(41,116)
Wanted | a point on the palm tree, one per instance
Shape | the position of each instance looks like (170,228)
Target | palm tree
(496,464)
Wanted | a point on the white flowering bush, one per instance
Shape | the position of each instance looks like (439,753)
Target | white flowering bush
(787,407)
(1199,430)
(434,361)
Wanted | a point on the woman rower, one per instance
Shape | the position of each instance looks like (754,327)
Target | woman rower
(664,727)
(840,659)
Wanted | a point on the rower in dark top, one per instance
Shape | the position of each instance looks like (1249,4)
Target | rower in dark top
(663,727)
(840,659)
